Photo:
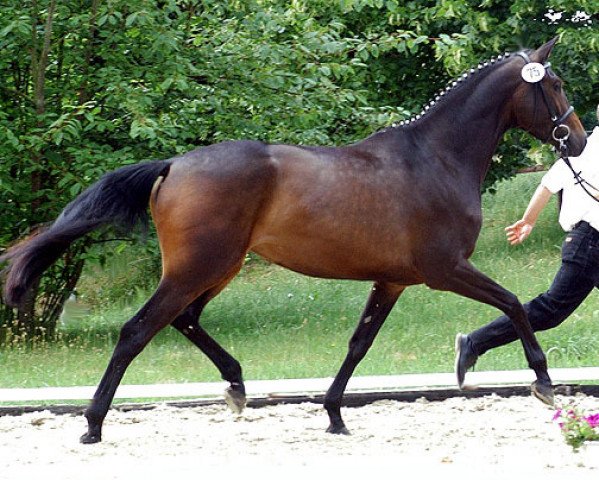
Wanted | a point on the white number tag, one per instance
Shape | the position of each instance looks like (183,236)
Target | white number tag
(533,72)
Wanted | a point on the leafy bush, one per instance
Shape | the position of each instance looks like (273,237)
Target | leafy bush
(88,87)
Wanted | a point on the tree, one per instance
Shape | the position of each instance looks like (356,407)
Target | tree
(90,86)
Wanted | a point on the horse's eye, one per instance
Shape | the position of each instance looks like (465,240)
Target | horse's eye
(557,86)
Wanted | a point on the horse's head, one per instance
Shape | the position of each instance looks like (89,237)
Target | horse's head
(540,105)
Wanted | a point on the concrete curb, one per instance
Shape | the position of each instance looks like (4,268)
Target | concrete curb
(360,391)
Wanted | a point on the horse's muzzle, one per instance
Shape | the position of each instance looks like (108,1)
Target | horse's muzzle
(576,143)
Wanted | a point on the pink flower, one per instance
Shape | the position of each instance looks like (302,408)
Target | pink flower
(558,413)
(577,428)
(593,420)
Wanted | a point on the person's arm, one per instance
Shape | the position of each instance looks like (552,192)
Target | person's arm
(519,231)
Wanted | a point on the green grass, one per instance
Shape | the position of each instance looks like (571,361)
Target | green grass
(282,325)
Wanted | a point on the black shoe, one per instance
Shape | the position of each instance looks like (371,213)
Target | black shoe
(465,357)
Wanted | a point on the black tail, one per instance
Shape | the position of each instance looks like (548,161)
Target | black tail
(119,198)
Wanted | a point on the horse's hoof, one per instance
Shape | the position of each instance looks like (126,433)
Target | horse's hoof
(88,438)
(543,392)
(235,400)
(340,430)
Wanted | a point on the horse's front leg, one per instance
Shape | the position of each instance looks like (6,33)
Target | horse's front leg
(381,301)
(469,282)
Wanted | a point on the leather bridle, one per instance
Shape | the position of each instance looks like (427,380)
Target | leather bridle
(558,120)
(559,125)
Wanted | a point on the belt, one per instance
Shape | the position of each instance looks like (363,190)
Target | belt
(585,227)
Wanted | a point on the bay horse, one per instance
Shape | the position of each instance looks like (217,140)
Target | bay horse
(400,208)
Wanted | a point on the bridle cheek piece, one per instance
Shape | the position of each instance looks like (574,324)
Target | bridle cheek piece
(533,72)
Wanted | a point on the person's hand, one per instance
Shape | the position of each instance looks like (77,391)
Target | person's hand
(518,232)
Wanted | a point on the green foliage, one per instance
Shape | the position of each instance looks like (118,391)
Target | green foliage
(89,86)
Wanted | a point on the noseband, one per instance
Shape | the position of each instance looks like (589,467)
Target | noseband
(558,120)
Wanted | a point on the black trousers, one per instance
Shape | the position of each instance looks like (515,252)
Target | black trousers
(576,278)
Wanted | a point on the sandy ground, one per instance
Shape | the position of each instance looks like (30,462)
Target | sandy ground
(490,438)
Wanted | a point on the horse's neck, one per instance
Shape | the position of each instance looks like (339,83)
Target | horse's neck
(465,130)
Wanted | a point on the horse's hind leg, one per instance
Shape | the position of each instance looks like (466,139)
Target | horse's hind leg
(380,303)
(166,303)
(188,324)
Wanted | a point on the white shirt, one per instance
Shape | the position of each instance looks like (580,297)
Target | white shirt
(577,205)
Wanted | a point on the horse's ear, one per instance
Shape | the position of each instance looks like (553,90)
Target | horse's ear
(543,52)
